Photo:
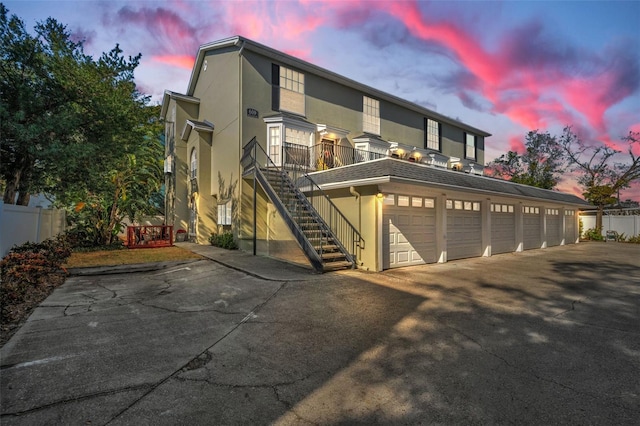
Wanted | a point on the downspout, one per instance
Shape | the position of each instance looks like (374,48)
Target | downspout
(240,146)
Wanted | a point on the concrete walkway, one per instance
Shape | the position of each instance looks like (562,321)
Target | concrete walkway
(542,337)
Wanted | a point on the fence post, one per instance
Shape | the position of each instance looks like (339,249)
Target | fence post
(38,224)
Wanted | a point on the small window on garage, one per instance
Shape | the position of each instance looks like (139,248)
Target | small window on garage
(476,206)
(403,201)
(468,205)
(416,201)
(510,209)
(389,200)
(449,204)
(429,203)
(457,204)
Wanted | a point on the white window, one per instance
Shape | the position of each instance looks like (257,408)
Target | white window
(470,146)
(403,201)
(275,144)
(429,203)
(476,207)
(299,137)
(433,134)
(193,217)
(292,91)
(224,213)
(193,167)
(449,204)
(370,115)
(389,200)
(468,205)
(457,204)
(416,202)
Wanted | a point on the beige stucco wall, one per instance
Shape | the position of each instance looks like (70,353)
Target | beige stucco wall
(361,212)
(219,156)
(179,113)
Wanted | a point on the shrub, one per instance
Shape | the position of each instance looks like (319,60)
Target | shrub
(26,272)
(224,240)
(634,240)
(593,234)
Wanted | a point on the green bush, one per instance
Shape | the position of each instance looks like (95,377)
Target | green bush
(634,240)
(224,240)
(593,234)
(27,269)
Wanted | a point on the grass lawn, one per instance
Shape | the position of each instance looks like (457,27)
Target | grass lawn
(127,257)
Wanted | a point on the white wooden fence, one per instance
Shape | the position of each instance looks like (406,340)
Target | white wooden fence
(19,224)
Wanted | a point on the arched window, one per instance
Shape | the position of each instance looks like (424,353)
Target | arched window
(193,169)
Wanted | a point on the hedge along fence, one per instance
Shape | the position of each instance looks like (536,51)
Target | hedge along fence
(21,224)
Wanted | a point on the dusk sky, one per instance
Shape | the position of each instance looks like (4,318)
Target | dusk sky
(505,67)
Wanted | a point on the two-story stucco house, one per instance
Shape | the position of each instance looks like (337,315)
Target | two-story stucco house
(302,163)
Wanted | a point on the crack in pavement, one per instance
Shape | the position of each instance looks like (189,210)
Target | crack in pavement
(181,369)
(76,399)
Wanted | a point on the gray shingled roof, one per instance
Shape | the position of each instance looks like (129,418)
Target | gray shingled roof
(401,170)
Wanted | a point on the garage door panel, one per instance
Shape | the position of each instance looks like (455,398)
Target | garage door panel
(464,234)
(503,233)
(553,230)
(408,237)
(531,232)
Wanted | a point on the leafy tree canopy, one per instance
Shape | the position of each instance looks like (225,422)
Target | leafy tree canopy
(602,170)
(540,165)
(73,126)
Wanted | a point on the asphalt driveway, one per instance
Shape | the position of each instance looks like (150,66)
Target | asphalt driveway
(541,337)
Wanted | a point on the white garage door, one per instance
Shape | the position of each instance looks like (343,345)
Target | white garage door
(554,235)
(531,228)
(464,229)
(503,228)
(409,231)
(570,226)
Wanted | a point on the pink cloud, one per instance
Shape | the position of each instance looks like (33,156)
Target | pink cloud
(516,144)
(181,61)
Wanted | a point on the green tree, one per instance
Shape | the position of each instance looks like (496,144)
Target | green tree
(540,165)
(600,173)
(75,127)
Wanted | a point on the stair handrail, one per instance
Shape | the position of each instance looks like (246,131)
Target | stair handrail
(338,223)
(251,151)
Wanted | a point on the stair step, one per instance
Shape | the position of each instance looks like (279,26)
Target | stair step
(333,266)
(326,248)
(332,255)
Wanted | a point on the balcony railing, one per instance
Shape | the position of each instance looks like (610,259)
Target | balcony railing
(326,156)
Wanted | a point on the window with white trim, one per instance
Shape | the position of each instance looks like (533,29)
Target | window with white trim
(432,130)
(224,213)
(275,144)
(470,146)
(370,115)
(299,137)
(291,84)
(193,165)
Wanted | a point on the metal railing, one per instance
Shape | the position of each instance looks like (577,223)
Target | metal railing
(293,181)
(149,236)
(297,164)
(325,156)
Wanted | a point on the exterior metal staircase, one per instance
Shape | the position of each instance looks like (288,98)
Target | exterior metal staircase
(294,198)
